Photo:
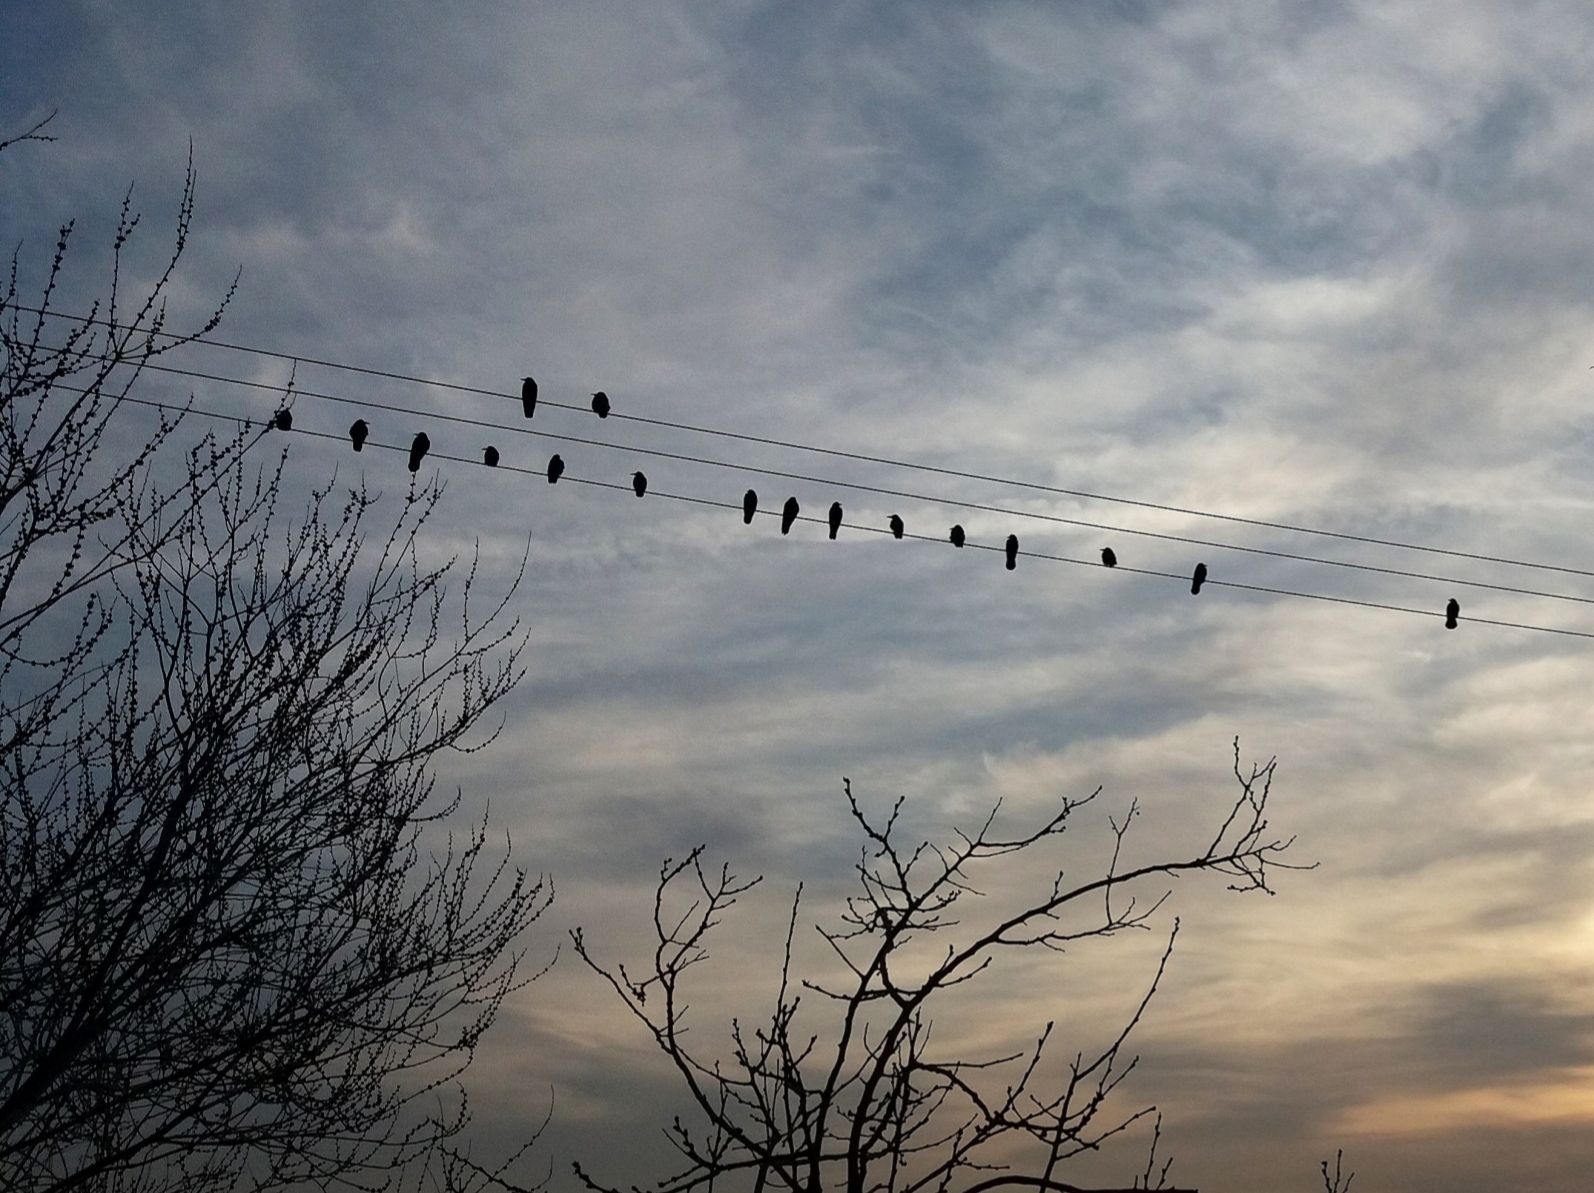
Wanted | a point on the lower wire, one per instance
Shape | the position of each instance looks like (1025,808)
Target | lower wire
(736,507)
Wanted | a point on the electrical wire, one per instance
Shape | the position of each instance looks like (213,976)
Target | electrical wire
(291,390)
(827,451)
(736,507)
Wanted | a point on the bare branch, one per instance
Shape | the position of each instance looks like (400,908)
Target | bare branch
(237,949)
(35,133)
(887,1113)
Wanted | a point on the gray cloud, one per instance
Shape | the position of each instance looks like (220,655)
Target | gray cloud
(1298,262)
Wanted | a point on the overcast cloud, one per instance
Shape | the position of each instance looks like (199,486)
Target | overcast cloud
(1310,263)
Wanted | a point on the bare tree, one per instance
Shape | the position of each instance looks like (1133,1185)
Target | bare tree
(238,949)
(1339,1180)
(873,1106)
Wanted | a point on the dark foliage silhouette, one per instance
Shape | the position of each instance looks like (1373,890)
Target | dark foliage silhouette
(854,1096)
(230,957)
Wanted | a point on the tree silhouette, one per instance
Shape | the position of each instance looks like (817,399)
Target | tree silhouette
(238,949)
(865,1103)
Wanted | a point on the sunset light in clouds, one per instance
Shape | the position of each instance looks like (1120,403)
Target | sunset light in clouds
(1301,264)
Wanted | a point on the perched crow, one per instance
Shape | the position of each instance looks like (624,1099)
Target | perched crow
(1452,611)
(788,514)
(282,420)
(639,483)
(556,468)
(896,526)
(1012,551)
(749,507)
(1198,579)
(600,404)
(957,536)
(835,518)
(490,456)
(528,395)
(1109,557)
(418,450)
(357,434)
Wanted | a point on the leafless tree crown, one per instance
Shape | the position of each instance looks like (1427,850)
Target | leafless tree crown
(874,1105)
(237,947)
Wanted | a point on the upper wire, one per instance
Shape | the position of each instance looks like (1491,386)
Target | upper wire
(790,445)
(291,389)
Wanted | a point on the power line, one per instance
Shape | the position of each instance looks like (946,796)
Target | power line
(735,507)
(828,451)
(521,429)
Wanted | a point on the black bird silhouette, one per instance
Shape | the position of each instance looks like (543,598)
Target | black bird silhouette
(357,433)
(1198,578)
(1109,557)
(528,395)
(1012,551)
(749,507)
(835,518)
(600,404)
(957,536)
(896,526)
(282,420)
(418,450)
(788,514)
(639,483)
(556,468)
(1452,611)
(490,456)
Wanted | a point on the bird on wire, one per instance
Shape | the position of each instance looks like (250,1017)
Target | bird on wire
(357,433)
(418,450)
(788,514)
(600,404)
(896,526)
(639,483)
(528,395)
(1109,557)
(957,536)
(282,420)
(490,456)
(1197,579)
(1012,551)
(556,468)
(835,519)
(1452,611)
(749,507)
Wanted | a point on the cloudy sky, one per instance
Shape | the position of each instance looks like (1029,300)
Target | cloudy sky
(1307,263)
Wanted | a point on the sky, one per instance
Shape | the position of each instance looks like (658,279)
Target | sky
(1319,264)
